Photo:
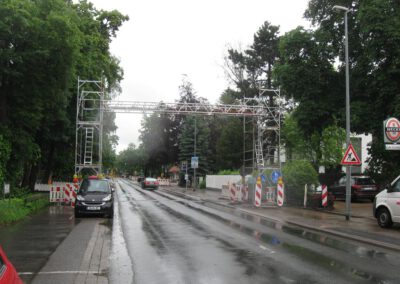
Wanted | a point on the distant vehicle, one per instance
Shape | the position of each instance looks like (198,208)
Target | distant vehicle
(95,196)
(150,183)
(8,274)
(362,187)
(386,207)
(140,179)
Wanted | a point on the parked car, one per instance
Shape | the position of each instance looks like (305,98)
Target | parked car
(150,183)
(140,179)
(95,196)
(386,207)
(8,274)
(362,187)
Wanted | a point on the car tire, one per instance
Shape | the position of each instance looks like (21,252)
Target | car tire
(77,215)
(384,218)
(110,214)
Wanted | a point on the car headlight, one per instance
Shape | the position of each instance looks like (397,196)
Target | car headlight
(107,198)
(80,198)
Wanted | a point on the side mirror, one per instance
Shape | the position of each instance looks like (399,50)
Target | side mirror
(389,188)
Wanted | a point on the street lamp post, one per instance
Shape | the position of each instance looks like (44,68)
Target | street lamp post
(348,168)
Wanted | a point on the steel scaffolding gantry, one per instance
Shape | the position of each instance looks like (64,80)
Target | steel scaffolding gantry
(89,126)
(91,106)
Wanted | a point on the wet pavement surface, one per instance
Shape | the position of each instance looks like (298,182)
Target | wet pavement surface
(186,239)
(29,244)
(177,236)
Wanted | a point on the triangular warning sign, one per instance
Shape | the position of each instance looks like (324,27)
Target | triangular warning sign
(350,157)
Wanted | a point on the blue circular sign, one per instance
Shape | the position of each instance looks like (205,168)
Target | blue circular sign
(275,176)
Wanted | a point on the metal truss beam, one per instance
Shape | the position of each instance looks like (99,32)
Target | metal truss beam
(240,109)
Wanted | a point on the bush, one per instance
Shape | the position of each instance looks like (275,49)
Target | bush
(228,172)
(295,175)
(15,209)
(203,184)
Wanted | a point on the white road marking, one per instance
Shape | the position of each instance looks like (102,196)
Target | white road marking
(265,248)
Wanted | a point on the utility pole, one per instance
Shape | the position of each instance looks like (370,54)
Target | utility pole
(348,168)
(195,137)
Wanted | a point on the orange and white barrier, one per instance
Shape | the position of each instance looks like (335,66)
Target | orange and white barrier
(281,193)
(324,196)
(257,199)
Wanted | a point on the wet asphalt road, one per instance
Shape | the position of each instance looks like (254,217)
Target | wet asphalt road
(162,238)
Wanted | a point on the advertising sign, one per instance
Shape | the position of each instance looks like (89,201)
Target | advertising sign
(391,133)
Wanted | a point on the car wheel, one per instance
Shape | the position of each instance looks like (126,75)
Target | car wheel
(384,218)
(77,215)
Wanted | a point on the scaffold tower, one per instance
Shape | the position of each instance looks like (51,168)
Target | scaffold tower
(89,127)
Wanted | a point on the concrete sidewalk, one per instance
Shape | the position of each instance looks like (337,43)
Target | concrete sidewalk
(362,226)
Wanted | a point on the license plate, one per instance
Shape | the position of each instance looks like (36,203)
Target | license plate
(367,188)
(93,208)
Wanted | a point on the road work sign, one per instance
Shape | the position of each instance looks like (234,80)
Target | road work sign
(350,158)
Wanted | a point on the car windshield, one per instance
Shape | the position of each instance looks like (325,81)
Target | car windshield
(93,185)
(364,181)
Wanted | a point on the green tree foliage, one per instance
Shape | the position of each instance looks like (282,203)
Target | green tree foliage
(374,40)
(296,174)
(131,160)
(158,142)
(45,45)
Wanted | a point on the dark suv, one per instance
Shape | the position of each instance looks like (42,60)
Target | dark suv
(362,187)
(95,196)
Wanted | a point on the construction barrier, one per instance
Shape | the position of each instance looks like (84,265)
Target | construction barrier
(270,194)
(324,196)
(257,199)
(280,194)
(56,194)
(64,192)
(164,181)
(232,191)
(245,192)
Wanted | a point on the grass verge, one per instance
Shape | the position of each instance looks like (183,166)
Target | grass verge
(15,209)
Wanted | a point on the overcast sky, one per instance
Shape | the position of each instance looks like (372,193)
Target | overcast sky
(165,39)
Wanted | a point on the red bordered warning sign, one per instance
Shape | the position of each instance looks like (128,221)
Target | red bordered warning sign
(350,157)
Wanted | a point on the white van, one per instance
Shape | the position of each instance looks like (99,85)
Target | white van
(387,205)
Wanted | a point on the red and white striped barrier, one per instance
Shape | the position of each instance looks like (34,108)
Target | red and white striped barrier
(232,191)
(56,194)
(65,192)
(163,182)
(257,199)
(280,194)
(324,196)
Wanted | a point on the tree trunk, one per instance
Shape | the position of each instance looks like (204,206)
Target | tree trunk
(49,164)
(25,178)
(33,176)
